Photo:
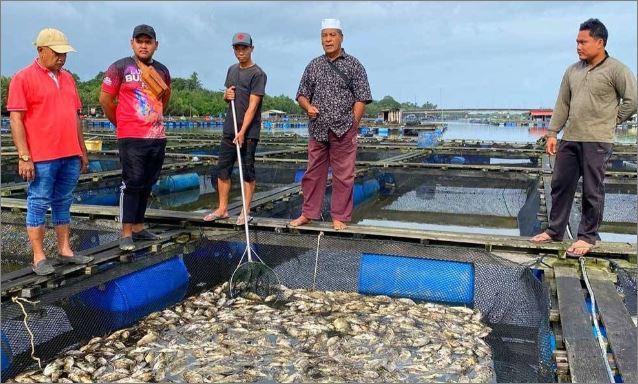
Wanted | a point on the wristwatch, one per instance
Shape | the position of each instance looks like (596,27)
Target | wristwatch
(25,157)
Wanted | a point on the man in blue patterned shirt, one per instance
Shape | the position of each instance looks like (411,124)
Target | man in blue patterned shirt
(334,90)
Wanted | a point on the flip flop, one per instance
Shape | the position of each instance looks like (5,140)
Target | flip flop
(549,240)
(213,216)
(572,254)
(240,219)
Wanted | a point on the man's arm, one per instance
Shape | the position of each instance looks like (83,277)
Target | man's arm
(625,85)
(107,101)
(561,109)
(358,109)
(165,100)
(253,104)
(25,168)
(309,108)
(84,158)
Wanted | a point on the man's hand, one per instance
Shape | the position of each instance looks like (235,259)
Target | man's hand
(239,138)
(26,169)
(313,111)
(550,146)
(229,93)
(84,163)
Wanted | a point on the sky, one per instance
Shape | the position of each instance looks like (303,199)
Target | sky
(505,54)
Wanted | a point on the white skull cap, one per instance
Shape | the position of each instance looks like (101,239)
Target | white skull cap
(330,24)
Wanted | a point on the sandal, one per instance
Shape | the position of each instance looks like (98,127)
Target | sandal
(213,216)
(240,219)
(542,241)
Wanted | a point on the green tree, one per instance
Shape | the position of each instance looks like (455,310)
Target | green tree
(4,82)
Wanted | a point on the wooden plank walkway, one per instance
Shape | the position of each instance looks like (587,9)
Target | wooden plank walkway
(621,331)
(25,278)
(585,358)
(489,242)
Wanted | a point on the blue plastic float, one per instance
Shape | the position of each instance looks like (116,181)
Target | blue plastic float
(449,282)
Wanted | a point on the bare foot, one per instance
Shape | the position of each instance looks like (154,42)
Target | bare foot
(301,220)
(541,238)
(579,248)
(338,225)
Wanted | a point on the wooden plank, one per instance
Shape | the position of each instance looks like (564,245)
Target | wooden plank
(621,331)
(61,271)
(605,249)
(586,363)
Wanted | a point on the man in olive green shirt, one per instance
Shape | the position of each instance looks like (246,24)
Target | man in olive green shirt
(596,94)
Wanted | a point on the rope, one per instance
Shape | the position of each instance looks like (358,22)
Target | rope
(594,316)
(314,277)
(17,300)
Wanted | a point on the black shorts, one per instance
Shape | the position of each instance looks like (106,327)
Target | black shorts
(228,156)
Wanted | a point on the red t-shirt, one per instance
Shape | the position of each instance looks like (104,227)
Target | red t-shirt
(138,113)
(51,111)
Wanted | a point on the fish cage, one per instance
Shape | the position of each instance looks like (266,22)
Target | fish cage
(103,322)
(512,299)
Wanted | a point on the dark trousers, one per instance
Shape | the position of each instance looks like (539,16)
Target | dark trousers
(141,161)
(573,160)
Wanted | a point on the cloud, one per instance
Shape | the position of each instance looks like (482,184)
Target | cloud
(480,54)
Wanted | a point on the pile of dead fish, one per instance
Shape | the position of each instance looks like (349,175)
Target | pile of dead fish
(305,336)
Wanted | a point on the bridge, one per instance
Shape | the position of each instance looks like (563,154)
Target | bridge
(486,110)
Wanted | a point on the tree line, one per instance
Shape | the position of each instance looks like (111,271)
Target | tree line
(190,98)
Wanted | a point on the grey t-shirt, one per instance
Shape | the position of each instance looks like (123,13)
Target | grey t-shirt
(248,81)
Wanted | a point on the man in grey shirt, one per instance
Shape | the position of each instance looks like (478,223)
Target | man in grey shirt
(596,94)
(246,85)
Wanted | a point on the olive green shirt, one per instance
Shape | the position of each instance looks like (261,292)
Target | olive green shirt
(593,100)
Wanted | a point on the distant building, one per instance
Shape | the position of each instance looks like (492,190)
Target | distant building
(540,117)
(391,116)
(273,114)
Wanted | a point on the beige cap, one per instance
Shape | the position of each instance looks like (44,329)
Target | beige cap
(54,39)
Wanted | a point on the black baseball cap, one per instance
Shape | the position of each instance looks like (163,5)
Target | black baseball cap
(144,29)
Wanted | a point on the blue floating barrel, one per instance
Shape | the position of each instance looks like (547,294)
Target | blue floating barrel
(7,355)
(449,282)
(179,198)
(357,194)
(370,188)
(387,183)
(457,160)
(176,183)
(127,299)
(105,196)
(299,175)
(95,166)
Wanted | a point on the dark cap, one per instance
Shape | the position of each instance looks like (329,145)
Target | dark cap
(241,38)
(144,29)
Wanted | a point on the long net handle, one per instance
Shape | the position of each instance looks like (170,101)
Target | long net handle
(241,184)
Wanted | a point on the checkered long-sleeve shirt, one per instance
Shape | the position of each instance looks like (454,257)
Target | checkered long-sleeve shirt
(332,95)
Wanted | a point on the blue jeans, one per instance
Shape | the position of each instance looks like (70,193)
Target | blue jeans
(53,187)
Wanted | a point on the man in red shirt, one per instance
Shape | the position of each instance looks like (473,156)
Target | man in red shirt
(44,103)
(139,120)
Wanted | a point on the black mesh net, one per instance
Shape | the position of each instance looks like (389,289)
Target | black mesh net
(514,303)
(626,286)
